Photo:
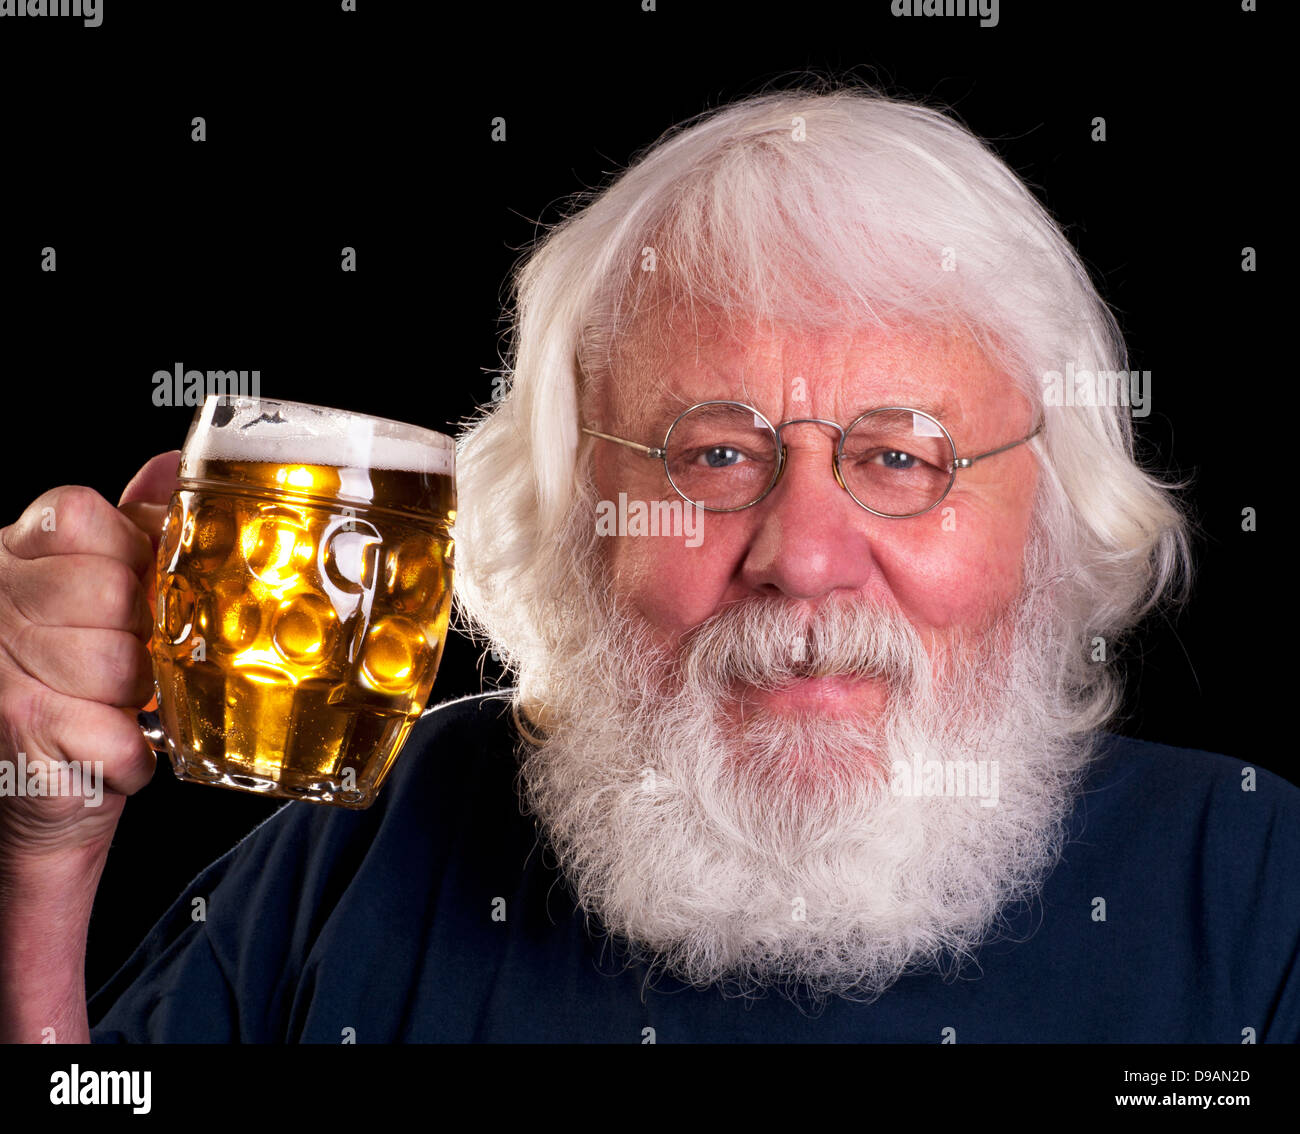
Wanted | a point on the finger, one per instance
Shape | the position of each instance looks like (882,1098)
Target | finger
(155,482)
(75,520)
(72,729)
(108,666)
(149,518)
(144,502)
(79,590)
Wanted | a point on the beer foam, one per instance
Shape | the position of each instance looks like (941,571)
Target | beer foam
(285,432)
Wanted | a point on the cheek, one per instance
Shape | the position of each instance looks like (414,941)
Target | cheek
(672,585)
(954,576)
(964,564)
(674,582)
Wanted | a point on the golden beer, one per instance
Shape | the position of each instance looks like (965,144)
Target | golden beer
(301,614)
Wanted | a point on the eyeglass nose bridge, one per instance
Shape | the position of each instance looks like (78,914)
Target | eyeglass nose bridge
(780,448)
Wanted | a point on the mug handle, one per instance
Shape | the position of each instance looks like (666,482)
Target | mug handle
(151,727)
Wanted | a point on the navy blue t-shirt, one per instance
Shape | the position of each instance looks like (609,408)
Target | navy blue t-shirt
(381,921)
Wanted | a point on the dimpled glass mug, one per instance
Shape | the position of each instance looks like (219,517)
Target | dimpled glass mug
(304,583)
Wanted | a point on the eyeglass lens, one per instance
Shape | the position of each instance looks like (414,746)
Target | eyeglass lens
(724,456)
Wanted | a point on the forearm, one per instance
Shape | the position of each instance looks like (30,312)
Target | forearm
(44,920)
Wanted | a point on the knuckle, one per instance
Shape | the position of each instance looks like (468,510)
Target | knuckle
(125,666)
(77,511)
(140,763)
(116,594)
(125,750)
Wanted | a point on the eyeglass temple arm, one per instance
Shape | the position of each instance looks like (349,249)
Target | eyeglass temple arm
(966,462)
(649,451)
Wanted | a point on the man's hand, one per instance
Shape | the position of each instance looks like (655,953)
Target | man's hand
(76,582)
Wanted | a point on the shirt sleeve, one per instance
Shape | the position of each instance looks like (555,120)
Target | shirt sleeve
(1277,937)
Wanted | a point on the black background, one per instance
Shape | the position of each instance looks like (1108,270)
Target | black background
(372,129)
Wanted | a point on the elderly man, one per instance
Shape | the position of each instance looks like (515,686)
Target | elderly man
(808,582)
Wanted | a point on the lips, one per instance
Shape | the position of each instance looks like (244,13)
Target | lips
(823,696)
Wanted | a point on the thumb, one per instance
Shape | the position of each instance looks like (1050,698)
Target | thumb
(145,500)
(154,483)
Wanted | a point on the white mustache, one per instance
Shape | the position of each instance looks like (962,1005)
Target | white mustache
(767,643)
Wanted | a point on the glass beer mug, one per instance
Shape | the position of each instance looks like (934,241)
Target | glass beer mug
(304,586)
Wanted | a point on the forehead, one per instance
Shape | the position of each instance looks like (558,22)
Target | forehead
(662,366)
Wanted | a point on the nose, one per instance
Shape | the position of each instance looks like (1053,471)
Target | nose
(810,538)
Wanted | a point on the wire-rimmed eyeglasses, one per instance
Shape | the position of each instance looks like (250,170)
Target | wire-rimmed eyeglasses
(894,461)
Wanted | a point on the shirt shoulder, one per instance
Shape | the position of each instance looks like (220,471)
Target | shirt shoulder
(1183,790)
(1193,855)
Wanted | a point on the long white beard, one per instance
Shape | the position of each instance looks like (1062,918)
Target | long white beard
(771,851)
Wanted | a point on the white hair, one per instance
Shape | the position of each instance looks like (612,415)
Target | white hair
(828,209)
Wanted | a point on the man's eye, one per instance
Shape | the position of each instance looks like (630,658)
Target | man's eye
(720,456)
(897,459)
